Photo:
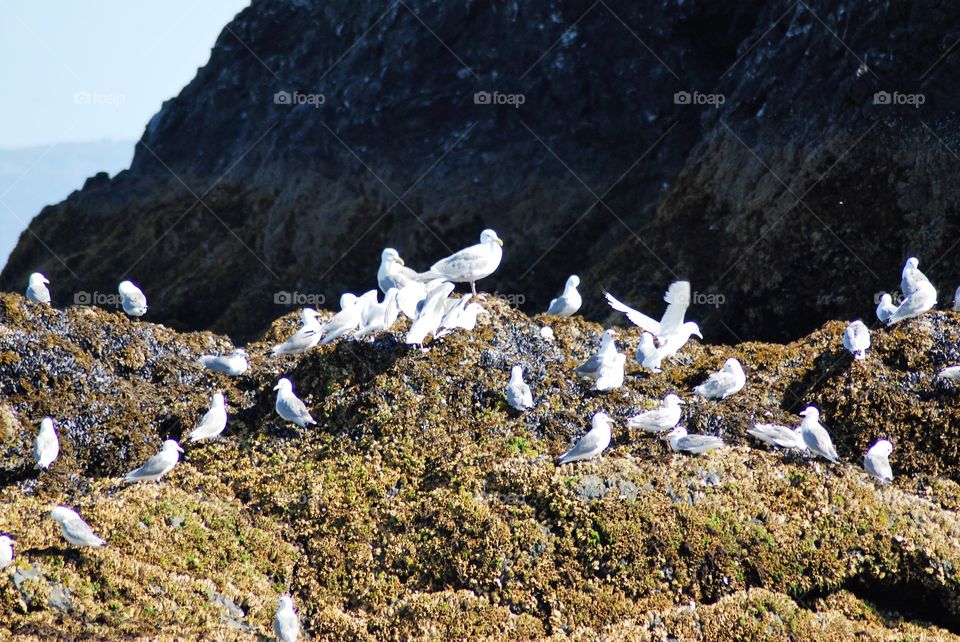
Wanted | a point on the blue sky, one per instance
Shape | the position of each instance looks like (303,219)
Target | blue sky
(98,69)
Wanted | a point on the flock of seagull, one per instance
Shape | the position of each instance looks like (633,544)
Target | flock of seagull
(424,297)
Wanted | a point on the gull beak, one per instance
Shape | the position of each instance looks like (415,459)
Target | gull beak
(179,449)
(277,387)
(682,402)
(499,242)
(699,335)
(400,261)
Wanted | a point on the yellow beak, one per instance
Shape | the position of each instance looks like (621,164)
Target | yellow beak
(400,261)
(499,242)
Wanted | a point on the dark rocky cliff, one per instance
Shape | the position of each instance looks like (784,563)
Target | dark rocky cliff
(795,199)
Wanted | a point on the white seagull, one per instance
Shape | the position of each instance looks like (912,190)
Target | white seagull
(591,444)
(306,337)
(158,465)
(610,373)
(680,441)
(856,339)
(73,528)
(289,406)
(213,422)
(379,317)
(430,315)
(132,299)
(779,436)
(876,461)
(659,419)
(232,365)
(648,355)
(606,351)
(720,385)
(348,318)
(911,276)
(37,289)
(460,314)
(922,299)
(518,392)
(47,446)
(678,300)
(569,302)
(285,622)
(816,437)
(471,264)
(6,551)
(885,308)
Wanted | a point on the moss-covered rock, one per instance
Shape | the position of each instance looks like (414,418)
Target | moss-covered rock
(422,507)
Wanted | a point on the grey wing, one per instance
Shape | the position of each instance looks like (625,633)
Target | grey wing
(41,293)
(462,262)
(716,386)
(589,367)
(556,306)
(589,443)
(217,364)
(818,440)
(678,300)
(292,407)
(154,466)
(636,317)
(914,304)
(879,467)
(774,434)
(699,443)
(137,299)
(77,530)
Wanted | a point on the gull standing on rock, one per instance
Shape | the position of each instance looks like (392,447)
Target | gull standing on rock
(569,302)
(47,446)
(378,317)
(213,422)
(721,385)
(158,465)
(779,436)
(518,392)
(610,373)
(816,437)
(856,339)
(919,294)
(648,355)
(37,289)
(348,318)
(286,625)
(232,365)
(471,264)
(306,337)
(289,406)
(6,551)
(591,444)
(876,461)
(74,529)
(132,299)
(460,314)
(885,308)
(606,351)
(680,441)
(659,419)
(430,315)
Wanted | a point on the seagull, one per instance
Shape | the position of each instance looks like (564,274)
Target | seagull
(956,300)
(856,339)
(213,422)
(608,348)
(73,528)
(378,317)
(721,385)
(158,465)
(285,623)
(47,446)
(659,419)
(648,355)
(591,444)
(610,373)
(816,437)
(460,315)
(953,372)
(677,298)
(876,461)
(431,314)
(348,318)
(911,276)
(393,273)
(471,264)
(680,441)
(779,436)
(569,302)
(885,308)
(674,342)
(289,406)
(133,301)
(37,289)
(922,299)
(232,365)
(518,393)
(6,551)
(308,336)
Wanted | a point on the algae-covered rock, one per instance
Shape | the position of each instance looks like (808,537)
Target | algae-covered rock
(422,507)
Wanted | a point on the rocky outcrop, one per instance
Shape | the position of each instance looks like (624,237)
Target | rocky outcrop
(775,183)
(422,507)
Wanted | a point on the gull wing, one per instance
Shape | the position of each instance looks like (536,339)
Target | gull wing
(636,317)
(678,300)
(463,262)
(77,530)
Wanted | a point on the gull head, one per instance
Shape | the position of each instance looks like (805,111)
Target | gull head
(912,262)
(692,328)
(390,255)
(347,299)
(672,401)
(811,413)
(38,279)
(239,352)
(573,281)
(516,373)
(284,385)
(171,444)
(60,514)
(676,433)
(127,287)
(6,540)
(46,423)
(732,366)
(217,399)
(286,602)
(888,300)
(882,447)
(489,236)
(601,419)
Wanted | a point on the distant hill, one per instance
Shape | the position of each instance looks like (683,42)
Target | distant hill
(33,177)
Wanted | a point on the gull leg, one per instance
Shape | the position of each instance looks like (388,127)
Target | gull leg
(473,288)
